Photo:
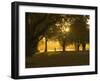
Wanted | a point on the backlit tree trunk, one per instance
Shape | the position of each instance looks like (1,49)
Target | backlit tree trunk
(31,47)
(35,46)
(83,45)
(77,45)
(63,46)
(46,44)
(28,49)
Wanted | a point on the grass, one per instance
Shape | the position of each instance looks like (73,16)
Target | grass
(53,59)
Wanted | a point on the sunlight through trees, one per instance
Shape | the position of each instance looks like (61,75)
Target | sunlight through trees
(56,32)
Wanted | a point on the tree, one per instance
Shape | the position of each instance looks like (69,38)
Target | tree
(80,31)
(72,28)
(63,34)
(37,27)
(52,30)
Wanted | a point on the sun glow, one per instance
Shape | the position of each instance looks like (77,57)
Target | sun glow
(65,28)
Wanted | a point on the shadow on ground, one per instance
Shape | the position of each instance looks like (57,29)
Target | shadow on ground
(53,59)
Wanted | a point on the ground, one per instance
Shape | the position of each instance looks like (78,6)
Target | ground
(53,59)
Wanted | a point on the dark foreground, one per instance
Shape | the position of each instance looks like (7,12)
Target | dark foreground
(53,59)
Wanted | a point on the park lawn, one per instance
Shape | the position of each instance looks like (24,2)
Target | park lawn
(53,59)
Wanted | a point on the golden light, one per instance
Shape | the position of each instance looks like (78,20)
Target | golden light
(80,47)
(87,46)
(65,26)
(67,29)
(55,46)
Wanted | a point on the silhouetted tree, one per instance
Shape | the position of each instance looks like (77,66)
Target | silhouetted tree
(80,30)
(38,26)
(35,27)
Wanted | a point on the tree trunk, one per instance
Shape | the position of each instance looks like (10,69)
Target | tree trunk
(35,46)
(28,50)
(28,37)
(83,45)
(63,46)
(28,47)
(77,45)
(31,45)
(31,48)
(46,44)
